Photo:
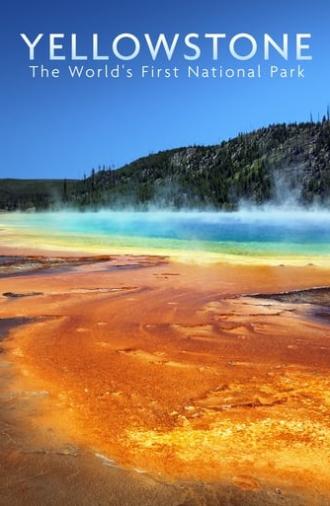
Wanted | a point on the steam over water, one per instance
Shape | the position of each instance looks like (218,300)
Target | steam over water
(249,232)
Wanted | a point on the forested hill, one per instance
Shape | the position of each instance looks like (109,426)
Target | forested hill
(276,163)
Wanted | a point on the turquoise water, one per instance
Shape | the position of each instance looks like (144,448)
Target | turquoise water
(245,232)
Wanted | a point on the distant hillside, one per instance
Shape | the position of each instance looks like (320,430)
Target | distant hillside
(27,194)
(276,163)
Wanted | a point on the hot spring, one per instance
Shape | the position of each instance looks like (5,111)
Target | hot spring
(244,236)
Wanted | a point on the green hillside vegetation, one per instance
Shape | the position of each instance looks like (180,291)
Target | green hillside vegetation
(30,194)
(258,167)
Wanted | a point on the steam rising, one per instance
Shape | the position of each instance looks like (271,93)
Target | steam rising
(249,231)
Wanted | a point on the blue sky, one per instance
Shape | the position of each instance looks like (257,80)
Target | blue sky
(63,128)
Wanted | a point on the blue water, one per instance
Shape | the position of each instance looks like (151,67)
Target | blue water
(269,230)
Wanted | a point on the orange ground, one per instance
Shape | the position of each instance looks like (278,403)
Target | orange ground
(165,368)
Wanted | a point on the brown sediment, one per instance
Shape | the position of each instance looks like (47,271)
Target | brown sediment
(169,370)
(25,265)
